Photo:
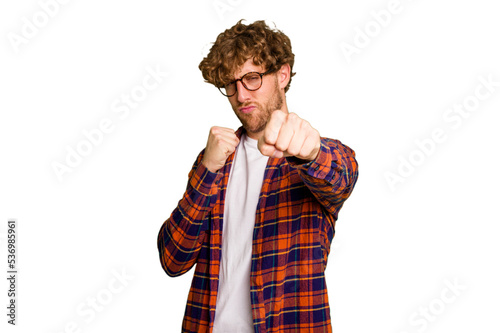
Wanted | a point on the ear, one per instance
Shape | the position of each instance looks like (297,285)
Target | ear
(284,76)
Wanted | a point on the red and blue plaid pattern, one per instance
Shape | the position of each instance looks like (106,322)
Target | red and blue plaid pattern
(294,226)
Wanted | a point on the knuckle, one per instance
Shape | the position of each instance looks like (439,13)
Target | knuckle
(218,139)
(280,146)
(293,151)
(279,115)
(269,138)
(265,150)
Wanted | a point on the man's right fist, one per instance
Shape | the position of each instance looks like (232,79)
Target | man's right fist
(221,143)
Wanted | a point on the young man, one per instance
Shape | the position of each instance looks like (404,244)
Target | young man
(259,211)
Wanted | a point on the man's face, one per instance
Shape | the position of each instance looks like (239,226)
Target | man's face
(253,108)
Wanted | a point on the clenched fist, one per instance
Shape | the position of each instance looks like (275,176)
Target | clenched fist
(286,134)
(221,143)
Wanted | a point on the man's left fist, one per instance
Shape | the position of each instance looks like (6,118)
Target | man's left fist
(289,135)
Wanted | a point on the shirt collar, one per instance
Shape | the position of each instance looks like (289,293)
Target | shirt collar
(239,132)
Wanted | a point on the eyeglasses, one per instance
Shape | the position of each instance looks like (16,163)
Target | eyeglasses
(251,81)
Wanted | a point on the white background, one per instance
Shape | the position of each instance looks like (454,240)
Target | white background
(397,249)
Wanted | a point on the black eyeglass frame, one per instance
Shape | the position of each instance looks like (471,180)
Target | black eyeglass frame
(269,71)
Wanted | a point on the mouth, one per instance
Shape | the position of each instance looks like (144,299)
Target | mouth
(247,109)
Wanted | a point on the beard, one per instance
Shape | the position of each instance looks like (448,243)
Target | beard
(256,121)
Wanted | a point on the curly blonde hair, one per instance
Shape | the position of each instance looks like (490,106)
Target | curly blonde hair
(267,47)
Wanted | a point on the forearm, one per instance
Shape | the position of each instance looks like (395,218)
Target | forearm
(331,176)
(181,235)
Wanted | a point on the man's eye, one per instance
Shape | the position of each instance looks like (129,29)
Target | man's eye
(252,78)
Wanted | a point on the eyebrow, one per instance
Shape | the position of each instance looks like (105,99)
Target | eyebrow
(241,77)
(266,72)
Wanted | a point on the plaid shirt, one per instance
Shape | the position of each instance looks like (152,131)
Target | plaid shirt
(294,226)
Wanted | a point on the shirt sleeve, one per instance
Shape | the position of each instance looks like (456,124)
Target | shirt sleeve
(331,176)
(182,234)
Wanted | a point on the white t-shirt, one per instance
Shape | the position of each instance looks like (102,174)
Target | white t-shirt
(233,312)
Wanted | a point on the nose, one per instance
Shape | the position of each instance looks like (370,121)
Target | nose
(242,93)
